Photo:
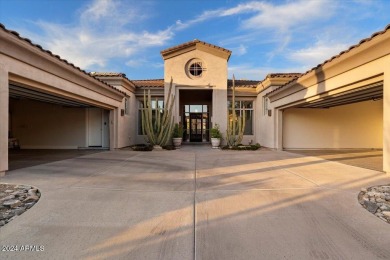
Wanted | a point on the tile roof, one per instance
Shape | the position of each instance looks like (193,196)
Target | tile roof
(361,42)
(108,74)
(241,83)
(2,27)
(191,43)
(149,83)
(283,75)
(159,83)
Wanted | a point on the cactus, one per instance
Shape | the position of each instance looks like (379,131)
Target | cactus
(236,124)
(158,130)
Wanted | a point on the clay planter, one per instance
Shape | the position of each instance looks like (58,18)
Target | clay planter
(177,142)
(215,142)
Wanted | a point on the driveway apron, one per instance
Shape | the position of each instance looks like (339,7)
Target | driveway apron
(197,203)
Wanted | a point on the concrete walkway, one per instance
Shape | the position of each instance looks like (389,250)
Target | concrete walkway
(197,203)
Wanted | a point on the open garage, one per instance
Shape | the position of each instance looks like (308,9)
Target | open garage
(42,121)
(51,104)
(346,127)
(353,119)
(341,104)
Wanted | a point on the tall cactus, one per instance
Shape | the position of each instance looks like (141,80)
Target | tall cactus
(236,124)
(158,130)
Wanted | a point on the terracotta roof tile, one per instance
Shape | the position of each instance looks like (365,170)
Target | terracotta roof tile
(190,43)
(283,75)
(149,83)
(108,74)
(241,83)
(387,28)
(2,27)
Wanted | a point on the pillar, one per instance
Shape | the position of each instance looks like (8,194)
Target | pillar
(278,129)
(113,119)
(4,99)
(386,118)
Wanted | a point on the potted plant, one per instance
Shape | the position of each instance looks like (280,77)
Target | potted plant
(215,136)
(177,137)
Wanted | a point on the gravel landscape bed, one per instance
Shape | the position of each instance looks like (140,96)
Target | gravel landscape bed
(377,201)
(15,200)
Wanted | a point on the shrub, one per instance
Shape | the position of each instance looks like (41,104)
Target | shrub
(141,147)
(178,131)
(252,147)
(214,132)
(168,147)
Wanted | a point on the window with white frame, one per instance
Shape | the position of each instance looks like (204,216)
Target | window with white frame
(243,107)
(157,105)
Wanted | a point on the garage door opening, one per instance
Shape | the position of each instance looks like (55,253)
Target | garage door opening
(347,127)
(45,127)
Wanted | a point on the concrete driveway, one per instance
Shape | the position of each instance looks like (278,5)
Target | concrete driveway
(197,203)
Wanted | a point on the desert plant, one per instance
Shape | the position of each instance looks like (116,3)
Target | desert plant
(215,132)
(236,124)
(157,128)
(178,131)
(141,147)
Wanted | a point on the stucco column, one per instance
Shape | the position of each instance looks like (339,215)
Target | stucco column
(279,129)
(220,110)
(4,99)
(113,119)
(386,119)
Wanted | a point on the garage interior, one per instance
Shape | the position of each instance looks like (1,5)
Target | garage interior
(346,127)
(44,127)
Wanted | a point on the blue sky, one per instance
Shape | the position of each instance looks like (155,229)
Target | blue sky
(127,36)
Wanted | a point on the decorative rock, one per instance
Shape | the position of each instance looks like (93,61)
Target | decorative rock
(15,201)
(10,197)
(23,187)
(12,203)
(31,199)
(385,208)
(29,205)
(386,213)
(20,211)
(33,193)
(8,215)
(371,206)
(377,201)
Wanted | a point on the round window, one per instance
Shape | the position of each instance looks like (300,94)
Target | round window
(195,68)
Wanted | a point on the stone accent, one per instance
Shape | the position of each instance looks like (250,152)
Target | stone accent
(377,201)
(15,200)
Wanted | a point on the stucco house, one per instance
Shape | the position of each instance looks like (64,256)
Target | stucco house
(48,103)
